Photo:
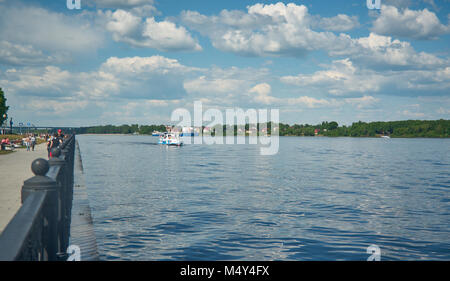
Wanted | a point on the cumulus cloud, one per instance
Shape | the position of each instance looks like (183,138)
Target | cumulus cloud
(224,86)
(340,22)
(22,54)
(343,78)
(57,107)
(410,114)
(139,65)
(262,95)
(207,85)
(288,30)
(47,30)
(384,52)
(262,92)
(129,78)
(268,30)
(131,28)
(362,102)
(420,24)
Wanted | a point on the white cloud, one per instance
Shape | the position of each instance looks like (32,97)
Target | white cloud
(47,81)
(410,114)
(340,22)
(129,27)
(129,78)
(287,30)
(362,102)
(343,78)
(49,31)
(420,24)
(138,65)
(261,95)
(442,110)
(56,107)
(20,54)
(262,92)
(265,30)
(311,102)
(384,52)
(224,86)
(205,85)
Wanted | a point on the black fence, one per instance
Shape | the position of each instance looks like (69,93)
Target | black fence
(40,229)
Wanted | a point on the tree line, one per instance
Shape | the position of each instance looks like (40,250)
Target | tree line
(400,129)
(122,129)
(407,129)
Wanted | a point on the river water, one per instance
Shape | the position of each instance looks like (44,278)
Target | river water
(316,199)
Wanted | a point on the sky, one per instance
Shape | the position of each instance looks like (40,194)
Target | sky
(136,61)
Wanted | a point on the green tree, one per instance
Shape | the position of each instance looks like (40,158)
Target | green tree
(3,107)
(333,125)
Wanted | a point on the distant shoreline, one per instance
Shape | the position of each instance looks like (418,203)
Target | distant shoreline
(394,129)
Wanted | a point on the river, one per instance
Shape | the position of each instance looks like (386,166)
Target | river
(318,198)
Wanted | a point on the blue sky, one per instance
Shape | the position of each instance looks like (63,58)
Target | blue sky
(135,61)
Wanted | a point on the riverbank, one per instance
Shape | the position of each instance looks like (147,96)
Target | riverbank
(15,168)
(398,129)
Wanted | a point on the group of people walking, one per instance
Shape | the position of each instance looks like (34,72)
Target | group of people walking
(30,142)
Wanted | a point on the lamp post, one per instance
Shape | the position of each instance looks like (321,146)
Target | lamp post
(4,124)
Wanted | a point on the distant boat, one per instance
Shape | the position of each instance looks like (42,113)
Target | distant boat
(386,137)
(189,132)
(156,134)
(193,134)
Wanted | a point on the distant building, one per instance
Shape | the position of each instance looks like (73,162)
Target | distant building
(316,131)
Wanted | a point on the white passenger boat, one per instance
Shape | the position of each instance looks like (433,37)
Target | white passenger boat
(170,139)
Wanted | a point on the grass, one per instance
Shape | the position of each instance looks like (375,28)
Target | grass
(12,137)
(20,137)
(3,152)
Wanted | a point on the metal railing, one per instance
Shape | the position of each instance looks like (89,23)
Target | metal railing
(40,228)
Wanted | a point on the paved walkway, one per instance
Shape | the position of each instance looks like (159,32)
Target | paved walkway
(15,168)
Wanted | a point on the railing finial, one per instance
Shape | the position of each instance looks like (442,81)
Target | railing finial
(40,167)
(56,152)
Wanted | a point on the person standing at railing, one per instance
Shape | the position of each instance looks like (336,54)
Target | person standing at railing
(55,142)
(60,135)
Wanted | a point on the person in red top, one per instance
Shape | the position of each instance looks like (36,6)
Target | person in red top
(60,135)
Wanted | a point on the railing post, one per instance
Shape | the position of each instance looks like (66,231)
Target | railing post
(41,183)
(59,160)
